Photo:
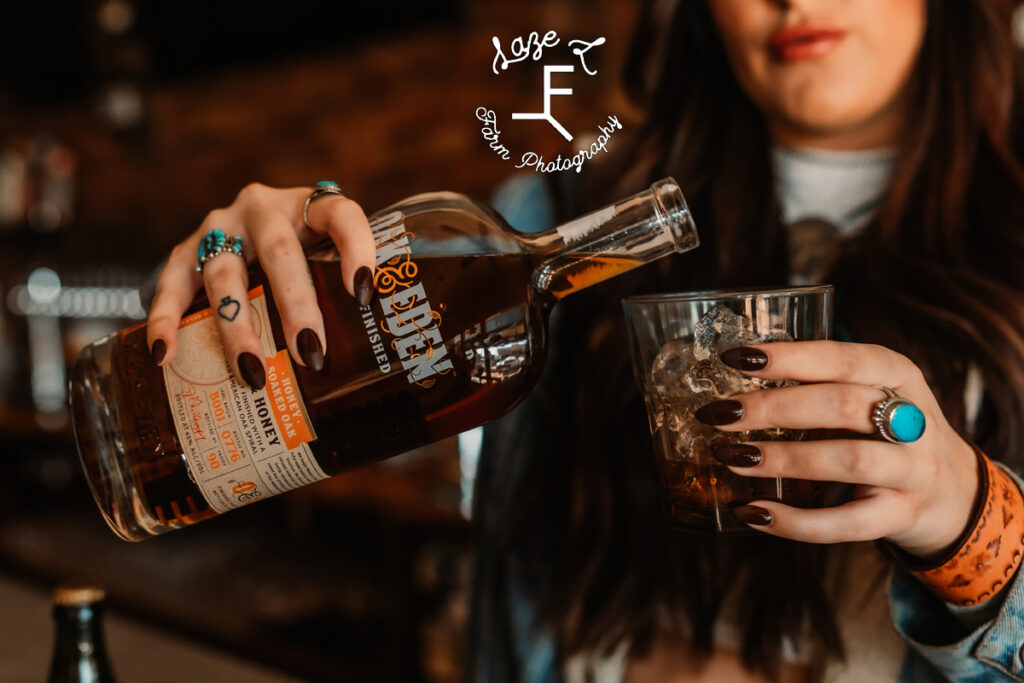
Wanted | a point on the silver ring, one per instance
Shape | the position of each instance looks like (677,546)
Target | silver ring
(322,188)
(215,243)
(898,420)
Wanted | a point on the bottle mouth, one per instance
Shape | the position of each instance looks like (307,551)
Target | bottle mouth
(675,215)
(77,594)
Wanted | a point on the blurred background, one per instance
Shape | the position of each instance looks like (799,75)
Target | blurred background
(122,123)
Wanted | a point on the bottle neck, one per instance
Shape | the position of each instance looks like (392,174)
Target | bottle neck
(612,240)
(80,635)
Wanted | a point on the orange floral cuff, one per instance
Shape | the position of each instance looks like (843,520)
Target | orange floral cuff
(987,555)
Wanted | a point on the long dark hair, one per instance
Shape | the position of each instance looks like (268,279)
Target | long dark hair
(567,499)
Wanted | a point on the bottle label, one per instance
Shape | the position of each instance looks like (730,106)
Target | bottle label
(409,320)
(239,445)
(576,230)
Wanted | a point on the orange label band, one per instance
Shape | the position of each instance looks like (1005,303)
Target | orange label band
(993,550)
(289,412)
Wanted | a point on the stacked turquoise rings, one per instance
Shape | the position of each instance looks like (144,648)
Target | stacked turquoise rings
(215,243)
(898,419)
(322,187)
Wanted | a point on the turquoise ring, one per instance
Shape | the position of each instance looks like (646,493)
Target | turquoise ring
(322,187)
(898,419)
(213,244)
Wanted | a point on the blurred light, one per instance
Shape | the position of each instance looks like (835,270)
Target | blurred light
(122,105)
(470,444)
(116,16)
(43,286)
(47,356)
(75,302)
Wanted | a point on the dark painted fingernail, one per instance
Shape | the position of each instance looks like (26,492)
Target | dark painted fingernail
(252,370)
(738,455)
(310,349)
(720,412)
(745,358)
(158,351)
(751,514)
(362,285)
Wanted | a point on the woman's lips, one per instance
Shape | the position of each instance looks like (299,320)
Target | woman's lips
(805,41)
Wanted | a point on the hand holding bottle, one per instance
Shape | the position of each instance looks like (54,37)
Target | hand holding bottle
(446,333)
(270,223)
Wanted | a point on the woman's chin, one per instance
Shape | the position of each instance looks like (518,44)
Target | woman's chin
(814,125)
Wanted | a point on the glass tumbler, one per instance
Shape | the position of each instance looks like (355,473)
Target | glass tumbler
(675,341)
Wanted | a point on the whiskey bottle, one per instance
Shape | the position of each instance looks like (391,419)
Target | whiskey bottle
(453,339)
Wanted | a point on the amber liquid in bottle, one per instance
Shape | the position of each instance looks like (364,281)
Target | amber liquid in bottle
(488,289)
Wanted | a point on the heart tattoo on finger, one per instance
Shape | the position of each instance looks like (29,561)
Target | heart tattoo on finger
(229,308)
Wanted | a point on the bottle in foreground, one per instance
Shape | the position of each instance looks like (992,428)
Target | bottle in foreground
(453,339)
(79,654)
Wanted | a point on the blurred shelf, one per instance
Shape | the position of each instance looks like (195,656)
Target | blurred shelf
(386,118)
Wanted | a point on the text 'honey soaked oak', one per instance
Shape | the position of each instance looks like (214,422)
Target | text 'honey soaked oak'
(453,339)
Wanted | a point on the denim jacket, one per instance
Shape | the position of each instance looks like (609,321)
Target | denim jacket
(985,643)
(944,642)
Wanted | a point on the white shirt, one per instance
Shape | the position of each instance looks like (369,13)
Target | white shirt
(825,196)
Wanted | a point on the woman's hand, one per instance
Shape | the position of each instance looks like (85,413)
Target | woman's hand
(270,223)
(917,495)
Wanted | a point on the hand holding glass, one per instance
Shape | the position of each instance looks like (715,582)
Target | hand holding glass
(676,340)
